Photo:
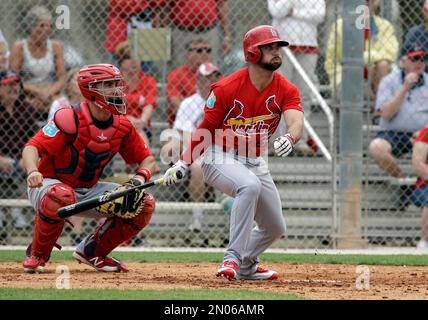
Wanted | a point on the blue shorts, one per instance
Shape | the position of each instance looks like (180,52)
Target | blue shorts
(400,141)
(420,197)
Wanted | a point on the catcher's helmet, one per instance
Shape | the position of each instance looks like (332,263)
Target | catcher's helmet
(109,98)
(257,37)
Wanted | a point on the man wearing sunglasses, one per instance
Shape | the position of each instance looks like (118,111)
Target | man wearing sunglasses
(401,102)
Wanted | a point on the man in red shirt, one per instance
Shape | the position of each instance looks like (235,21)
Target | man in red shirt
(74,147)
(199,18)
(181,82)
(242,111)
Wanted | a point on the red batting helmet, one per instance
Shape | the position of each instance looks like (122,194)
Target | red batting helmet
(105,97)
(257,37)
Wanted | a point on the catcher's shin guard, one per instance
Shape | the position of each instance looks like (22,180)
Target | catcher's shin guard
(115,230)
(47,225)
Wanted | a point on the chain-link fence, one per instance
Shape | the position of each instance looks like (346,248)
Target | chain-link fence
(159,46)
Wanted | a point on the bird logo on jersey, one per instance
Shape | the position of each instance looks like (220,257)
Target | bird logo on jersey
(262,124)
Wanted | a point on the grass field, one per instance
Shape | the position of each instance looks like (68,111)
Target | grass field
(232,292)
(355,259)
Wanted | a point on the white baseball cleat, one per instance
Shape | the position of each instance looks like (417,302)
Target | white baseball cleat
(260,274)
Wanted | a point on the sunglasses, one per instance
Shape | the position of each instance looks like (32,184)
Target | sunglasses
(201,50)
(417,58)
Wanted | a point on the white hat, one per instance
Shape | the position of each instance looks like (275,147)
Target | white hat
(207,68)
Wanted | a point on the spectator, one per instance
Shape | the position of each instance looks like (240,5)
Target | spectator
(403,111)
(4,53)
(39,60)
(141,92)
(18,124)
(181,82)
(71,94)
(189,116)
(199,18)
(380,50)
(420,194)
(124,15)
(419,33)
(297,21)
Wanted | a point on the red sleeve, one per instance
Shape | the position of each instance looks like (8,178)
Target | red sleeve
(216,106)
(49,140)
(291,99)
(133,149)
(423,135)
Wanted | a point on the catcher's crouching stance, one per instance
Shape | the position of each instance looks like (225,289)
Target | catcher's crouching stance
(73,149)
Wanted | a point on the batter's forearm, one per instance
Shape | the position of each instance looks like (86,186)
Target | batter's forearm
(294,123)
(296,130)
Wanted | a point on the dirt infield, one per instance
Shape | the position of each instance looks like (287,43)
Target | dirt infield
(313,281)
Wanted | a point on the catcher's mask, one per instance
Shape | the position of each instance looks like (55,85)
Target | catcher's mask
(103,85)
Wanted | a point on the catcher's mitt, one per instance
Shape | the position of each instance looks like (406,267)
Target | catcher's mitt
(126,207)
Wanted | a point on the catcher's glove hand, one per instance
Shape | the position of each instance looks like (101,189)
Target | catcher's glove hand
(127,207)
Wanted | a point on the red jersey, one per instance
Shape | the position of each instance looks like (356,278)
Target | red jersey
(181,82)
(194,14)
(243,117)
(78,153)
(422,137)
(144,94)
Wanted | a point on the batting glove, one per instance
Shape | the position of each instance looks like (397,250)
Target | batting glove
(283,145)
(177,172)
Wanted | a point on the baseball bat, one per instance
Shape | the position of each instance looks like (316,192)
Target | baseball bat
(91,203)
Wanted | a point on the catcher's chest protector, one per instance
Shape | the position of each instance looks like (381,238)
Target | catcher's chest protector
(93,147)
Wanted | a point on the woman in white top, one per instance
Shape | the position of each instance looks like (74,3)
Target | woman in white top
(39,60)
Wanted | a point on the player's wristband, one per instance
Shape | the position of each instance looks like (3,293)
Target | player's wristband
(293,141)
(32,171)
(145,173)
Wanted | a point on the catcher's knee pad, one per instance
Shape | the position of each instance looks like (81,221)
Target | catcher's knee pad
(47,225)
(57,196)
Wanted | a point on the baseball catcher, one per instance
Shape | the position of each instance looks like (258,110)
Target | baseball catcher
(73,149)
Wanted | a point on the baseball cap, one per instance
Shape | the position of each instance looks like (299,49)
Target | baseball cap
(7,76)
(207,69)
(412,49)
